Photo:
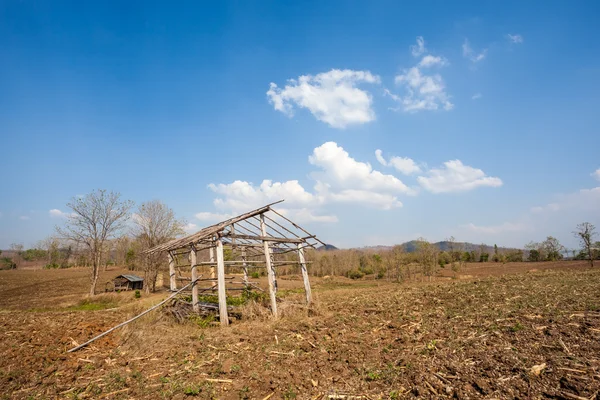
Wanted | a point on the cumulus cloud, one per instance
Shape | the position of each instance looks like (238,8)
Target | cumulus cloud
(472,55)
(514,38)
(495,229)
(339,170)
(454,176)
(56,213)
(405,165)
(339,178)
(240,196)
(332,97)
(422,91)
(596,174)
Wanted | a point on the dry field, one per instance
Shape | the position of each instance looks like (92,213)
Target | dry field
(498,332)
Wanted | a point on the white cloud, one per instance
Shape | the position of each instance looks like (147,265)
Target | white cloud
(379,156)
(382,201)
(332,97)
(423,92)
(476,96)
(339,179)
(24,218)
(495,229)
(302,215)
(340,171)
(595,174)
(419,48)
(56,213)
(469,53)
(514,38)
(454,176)
(405,165)
(430,61)
(241,196)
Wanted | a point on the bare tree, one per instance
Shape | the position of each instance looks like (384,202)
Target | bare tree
(17,251)
(96,218)
(155,224)
(427,255)
(585,233)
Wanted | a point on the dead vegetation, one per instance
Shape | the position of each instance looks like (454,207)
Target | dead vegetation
(528,335)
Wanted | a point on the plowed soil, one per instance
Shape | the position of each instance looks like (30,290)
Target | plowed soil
(512,334)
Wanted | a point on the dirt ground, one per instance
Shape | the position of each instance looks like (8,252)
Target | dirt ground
(503,332)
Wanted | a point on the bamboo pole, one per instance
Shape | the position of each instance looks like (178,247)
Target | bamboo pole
(129,320)
(211,253)
(270,270)
(172,280)
(244,266)
(194,279)
(304,274)
(224,318)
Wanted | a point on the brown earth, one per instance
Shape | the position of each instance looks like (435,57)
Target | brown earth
(505,332)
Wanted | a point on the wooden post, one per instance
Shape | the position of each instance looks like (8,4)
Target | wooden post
(194,278)
(244,266)
(270,271)
(172,280)
(221,284)
(304,274)
(211,253)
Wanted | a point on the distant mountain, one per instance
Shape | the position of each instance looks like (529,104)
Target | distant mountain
(411,247)
(327,247)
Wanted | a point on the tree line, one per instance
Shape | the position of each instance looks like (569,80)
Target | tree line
(104,229)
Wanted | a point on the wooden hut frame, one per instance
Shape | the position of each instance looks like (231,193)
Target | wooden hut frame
(255,240)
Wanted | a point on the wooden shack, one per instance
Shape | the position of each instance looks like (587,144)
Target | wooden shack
(127,282)
(262,238)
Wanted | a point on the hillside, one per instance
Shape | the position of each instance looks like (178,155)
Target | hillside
(411,247)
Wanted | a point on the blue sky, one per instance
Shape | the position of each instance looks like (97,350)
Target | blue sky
(484,114)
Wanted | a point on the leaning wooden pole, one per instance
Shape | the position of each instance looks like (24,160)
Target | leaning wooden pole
(269,266)
(223,317)
(304,274)
(130,320)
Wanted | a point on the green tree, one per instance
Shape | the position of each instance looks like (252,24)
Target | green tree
(552,248)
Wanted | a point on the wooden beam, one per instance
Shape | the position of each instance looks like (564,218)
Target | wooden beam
(221,285)
(304,274)
(194,281)
(297,226)
(263,238)
(172,280)
(270,270)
